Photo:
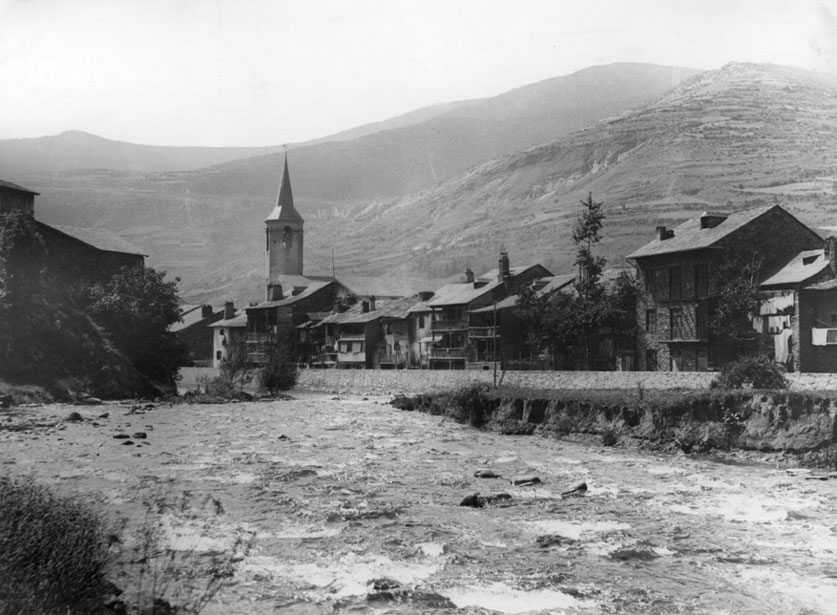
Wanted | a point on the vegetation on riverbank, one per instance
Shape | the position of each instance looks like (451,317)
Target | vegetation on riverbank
(696,421)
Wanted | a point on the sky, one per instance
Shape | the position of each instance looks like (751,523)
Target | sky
(267,72)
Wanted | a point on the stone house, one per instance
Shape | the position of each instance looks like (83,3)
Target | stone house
(679,279)
(194,330)
(799,318)
(228,332)
(81,256)
(461,337)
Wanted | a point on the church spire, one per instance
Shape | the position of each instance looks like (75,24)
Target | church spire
(284,210)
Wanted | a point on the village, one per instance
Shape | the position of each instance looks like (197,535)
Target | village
(475,323)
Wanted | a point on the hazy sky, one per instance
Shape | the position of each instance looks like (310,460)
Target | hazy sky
(263,72)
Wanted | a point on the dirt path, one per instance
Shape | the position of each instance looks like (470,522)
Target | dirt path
(339,492)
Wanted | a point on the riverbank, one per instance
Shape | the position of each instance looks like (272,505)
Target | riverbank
(353,505)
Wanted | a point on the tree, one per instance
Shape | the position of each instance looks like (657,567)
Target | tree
(236,370)
(738,299)
(569,321)
(278,373)
(137,307)
(22,284)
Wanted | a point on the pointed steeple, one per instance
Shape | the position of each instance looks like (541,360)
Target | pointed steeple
(284,210)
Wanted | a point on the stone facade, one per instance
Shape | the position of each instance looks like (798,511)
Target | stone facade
(678,287)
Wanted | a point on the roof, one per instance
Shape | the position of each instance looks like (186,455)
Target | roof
(556,282)
(191,315)
(239,320)
(799,269)
(310,289)
(284,210)
(377,286)
(493,274)
(689,235)
(99,238)
(5,184)
(395,308)
(508,302)
(461,294)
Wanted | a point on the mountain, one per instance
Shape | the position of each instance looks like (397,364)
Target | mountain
(206,225)
(74,149)
(733,138)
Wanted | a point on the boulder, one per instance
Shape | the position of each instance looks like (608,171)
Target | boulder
(525,480)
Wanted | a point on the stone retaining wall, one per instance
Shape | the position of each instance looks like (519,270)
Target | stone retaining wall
(383,382)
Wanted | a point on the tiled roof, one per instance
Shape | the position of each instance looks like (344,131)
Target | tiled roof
(508,302)
(239,320)
(378,286)
(800,268)
(289,299)
(99,238)
(395,308)
(192,315)
(556,282)
(5,184)
(689,235)
(461,294)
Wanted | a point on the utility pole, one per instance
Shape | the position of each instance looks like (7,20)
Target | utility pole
(494,337)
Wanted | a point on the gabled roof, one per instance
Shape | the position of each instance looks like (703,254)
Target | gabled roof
(689,235)
(379,286)
(289,299)
(239,320)
(5,184)
(461,294)
(99,238)
(799,269)
(555,282)
(513,271)
(395,308)
(191,315)
(284,210)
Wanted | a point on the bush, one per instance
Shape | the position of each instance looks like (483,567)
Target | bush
(755,372)
(279,372)
(53,552)
(472,404)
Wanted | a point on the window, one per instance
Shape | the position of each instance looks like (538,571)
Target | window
(421,321)
(674,286)
(701,280)
(651,360)
(831,336)
(218,355)
(676,317)
(651,321)
(650,281)
(701,320)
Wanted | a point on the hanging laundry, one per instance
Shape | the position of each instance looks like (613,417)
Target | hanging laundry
(781,343)
(819,337)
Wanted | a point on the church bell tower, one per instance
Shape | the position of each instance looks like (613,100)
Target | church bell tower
(283,235)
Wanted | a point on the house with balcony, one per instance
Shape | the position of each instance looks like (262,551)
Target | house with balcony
(463,333)
(371,334)
(292,299)
(679,279)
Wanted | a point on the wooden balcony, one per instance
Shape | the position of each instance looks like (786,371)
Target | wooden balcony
(438,326)
(484,332)
(351,357)
(257,338)
(447,353)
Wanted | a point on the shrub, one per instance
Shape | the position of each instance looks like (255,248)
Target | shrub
(756,372)
(53,552)
(610,436)
(472,404)
(278,373)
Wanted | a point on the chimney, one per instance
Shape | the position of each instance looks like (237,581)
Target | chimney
(206,311)
(469,276)
(503,269)
(661,233)
(229,310)
(372,303)
(274,292)
(364,306)
(711,220)
(830,248)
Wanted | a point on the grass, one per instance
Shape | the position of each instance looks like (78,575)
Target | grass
(54,554)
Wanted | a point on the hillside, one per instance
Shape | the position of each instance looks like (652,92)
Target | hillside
(732,138)
(206,225)
(74,149)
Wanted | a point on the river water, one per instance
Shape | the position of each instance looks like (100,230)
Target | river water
(353,506)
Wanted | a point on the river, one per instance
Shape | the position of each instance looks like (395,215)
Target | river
(352,506)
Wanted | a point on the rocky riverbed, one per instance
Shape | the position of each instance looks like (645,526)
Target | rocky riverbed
(332,504)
